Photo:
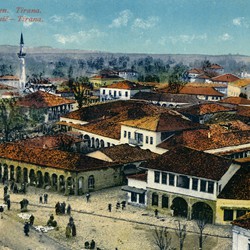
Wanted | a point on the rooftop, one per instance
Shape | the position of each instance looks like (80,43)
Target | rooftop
(187,161)
(217,136)
(238,187)
(9,77)
(126,85)
(41,99)
(225,78)
(124,153)
(236,100)
(207,91)
(205,108)
(243,221)
(241,83)
(139,177)
(50,157)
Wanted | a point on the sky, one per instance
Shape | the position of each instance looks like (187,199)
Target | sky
(211,27)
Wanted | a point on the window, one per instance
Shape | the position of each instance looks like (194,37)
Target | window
(91,182)
(164,178)
(154,199)
(240,213)
(108,144)
(120,93)
(115,93)
(228,215)
(164,203)
(126,93)
(103,92)
(171,180)
(151,140)
(147,139)
(142,198)
(183,181)
(133,197)
(195,184)
(139,137)
(157,176)
(129,135)
(210,187)
(125,133)
(110,92)
(203,186)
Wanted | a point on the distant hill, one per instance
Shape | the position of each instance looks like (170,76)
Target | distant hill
(50,61)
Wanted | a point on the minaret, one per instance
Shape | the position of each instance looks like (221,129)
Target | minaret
(21,55)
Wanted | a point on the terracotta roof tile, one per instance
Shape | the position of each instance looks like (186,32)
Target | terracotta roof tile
(183,160)
(206,108)
(238,187)
(126,85)
(50,157)
(124,153)
(225,78)
(207,91)
(41,99)
(243,221)
(9,77)
(241,83)
(218,136)
(236,100)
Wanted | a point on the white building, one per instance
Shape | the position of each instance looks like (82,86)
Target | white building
(239,87)
(121,90)
(183,180)
(241,233)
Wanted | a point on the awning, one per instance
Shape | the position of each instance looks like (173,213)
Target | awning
(133,189)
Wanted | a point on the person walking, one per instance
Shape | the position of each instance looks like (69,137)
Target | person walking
(109,207)
(87,197)
(40,199)
(73,228)
(1,211)
(32,218)
(26,229)
(156,212)
(69,210)
(8,204)
(68,231)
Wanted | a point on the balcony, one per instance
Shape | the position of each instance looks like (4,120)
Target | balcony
(135,142)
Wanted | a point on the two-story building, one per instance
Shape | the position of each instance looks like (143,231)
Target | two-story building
(240,87)
(183,180)
(121,90)
(50,105)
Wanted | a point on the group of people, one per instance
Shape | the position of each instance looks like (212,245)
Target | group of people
(118,205)
(27,225)
(62,209)
(43,198)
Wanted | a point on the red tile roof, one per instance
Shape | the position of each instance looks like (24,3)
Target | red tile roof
(243,111)
(105,119)
(196,71)
(50,158)
(225,78)
(50,141)
(236,100)
(243,221)
(187,161)
(213,138)
(6,87)
(206,108)
(238,187)
(126,85)
(124,153)
(207,91)
(215,66)
(41,99)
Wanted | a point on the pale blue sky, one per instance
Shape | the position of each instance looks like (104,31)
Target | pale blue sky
(132,26)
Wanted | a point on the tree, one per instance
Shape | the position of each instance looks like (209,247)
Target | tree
(181,233)
(12,119)
(177,78)
(80,87)
(201,223)
(162,239)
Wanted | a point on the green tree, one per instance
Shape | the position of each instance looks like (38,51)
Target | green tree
(81,88)
(12,119)
(177,78)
